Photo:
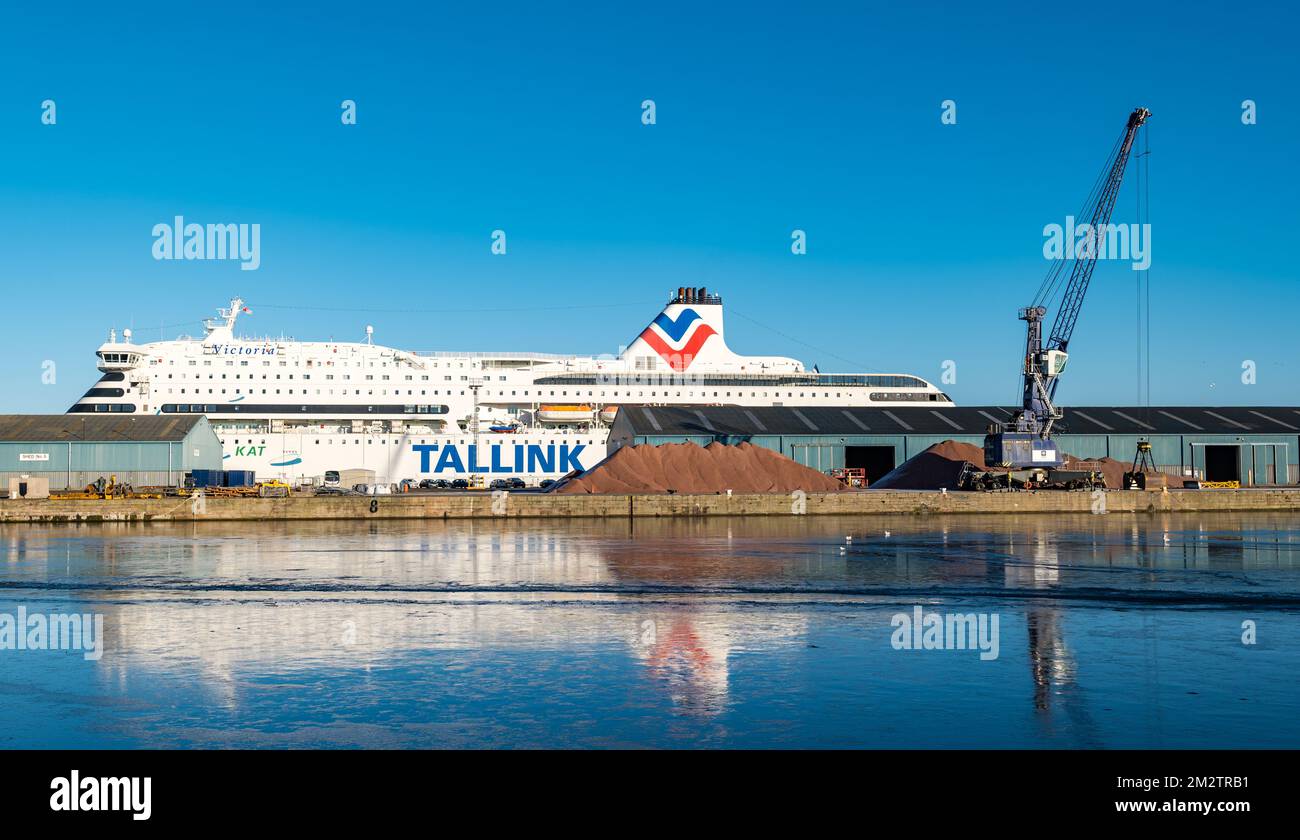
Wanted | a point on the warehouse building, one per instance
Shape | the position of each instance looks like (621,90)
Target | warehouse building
(1255,446)
(73,450)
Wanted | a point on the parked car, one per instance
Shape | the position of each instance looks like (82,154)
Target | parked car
(499,484)
(546,484)
(460,484)
(375,489)
(441,484)
(517,483)
(332,491)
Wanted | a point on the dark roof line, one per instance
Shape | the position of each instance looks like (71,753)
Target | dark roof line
(1142,421)
(59,428)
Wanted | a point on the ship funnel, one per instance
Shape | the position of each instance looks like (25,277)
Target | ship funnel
(683,334)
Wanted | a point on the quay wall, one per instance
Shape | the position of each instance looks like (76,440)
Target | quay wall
(482,505)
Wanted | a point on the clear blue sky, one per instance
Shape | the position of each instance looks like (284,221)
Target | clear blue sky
(923,239)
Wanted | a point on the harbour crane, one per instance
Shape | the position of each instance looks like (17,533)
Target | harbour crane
(1025,441)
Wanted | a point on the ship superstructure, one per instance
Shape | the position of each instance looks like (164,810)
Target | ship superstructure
(297,409)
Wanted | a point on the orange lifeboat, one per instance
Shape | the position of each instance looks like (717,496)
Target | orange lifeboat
(608,414)
(565,413)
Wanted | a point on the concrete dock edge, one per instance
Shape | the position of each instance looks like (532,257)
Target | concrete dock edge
(474,505)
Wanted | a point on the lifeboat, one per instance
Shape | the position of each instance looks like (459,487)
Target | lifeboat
(564,413)
(503,428)
(608,414)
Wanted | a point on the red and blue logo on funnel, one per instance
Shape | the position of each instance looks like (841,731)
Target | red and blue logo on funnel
(669,337)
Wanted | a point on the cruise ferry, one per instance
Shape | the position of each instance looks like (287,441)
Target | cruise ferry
(295,410)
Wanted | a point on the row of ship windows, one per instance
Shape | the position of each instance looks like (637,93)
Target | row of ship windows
(102,408)
(875,396)
(741,380)
(288,408)
(120,357)
(873,381)
(396,392)
(328,376)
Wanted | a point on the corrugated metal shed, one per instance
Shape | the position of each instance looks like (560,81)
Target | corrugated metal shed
(74,450)
(1254,445)
(65,427)
(735,420)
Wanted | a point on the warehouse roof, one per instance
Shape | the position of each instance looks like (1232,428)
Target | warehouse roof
(926,420)
(90,427)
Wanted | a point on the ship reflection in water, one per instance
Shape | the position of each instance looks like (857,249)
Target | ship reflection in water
(1115,632)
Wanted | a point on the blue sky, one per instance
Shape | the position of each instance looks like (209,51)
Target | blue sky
(923,238)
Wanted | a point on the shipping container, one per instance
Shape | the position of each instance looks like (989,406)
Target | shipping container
(209,478)
(240,478)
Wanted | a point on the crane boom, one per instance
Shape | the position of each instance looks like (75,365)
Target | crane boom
(1081,275)
(1025,440)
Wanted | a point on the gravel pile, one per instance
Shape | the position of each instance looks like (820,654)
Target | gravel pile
(690,468)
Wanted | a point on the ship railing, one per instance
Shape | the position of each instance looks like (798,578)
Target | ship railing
(448,354)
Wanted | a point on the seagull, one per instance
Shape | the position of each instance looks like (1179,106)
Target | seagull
(849,538)
(886,534)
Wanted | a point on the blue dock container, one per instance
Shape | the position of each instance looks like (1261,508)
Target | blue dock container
(240,478)
(209,478)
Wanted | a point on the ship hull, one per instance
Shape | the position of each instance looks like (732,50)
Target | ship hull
(301,458)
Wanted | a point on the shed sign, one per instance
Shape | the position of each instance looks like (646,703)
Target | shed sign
(33,456)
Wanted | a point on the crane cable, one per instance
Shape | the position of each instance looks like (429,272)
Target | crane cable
(1051,284)
(1143,195)
(1137,312)
(1145,223)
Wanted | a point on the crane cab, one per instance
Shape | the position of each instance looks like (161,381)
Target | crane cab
(1051,363)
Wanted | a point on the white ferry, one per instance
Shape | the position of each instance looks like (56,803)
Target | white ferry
(295,410)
